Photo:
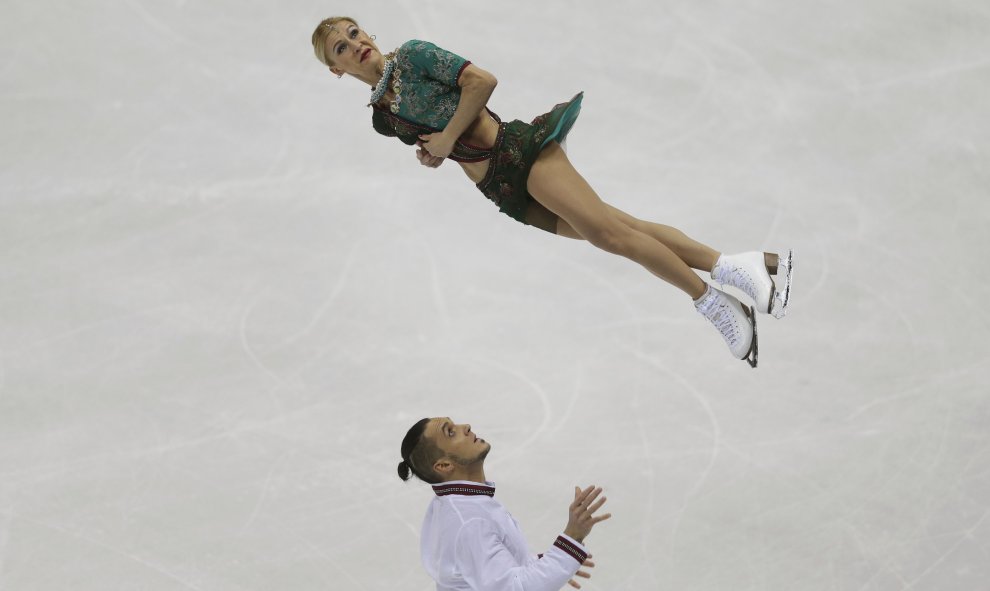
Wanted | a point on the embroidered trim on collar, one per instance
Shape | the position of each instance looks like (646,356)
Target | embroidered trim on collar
(379,90)
(469,489)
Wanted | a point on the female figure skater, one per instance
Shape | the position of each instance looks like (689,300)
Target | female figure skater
(430,97)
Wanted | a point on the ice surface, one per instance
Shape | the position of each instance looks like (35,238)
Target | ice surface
(224,298)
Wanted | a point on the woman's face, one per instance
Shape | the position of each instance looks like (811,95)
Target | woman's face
(351,51)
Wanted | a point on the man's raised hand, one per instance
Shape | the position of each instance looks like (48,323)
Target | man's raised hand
(582,512)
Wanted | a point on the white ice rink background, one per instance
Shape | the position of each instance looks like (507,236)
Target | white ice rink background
(224,298)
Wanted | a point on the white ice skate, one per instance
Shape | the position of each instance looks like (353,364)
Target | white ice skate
(751,271)
(736,322)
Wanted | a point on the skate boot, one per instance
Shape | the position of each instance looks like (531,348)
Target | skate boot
(751,271)
(736,322)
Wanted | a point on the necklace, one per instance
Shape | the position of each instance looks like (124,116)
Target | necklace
(382,87)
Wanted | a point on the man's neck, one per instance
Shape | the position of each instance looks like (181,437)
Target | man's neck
(471,474)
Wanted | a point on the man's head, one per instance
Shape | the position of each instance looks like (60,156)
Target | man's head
(437,450)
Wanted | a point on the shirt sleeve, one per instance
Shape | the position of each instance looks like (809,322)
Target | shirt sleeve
(435,62)
(487,565)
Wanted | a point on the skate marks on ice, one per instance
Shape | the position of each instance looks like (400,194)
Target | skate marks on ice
(220,312)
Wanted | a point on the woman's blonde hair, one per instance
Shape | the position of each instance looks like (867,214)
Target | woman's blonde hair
(322,32)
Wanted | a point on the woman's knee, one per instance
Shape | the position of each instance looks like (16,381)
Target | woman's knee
(564,229)
(629,220)
(612,236)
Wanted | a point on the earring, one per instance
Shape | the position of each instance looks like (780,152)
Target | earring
(339,76)
(373,37)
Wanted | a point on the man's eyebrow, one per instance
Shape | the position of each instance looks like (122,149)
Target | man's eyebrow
(443,427)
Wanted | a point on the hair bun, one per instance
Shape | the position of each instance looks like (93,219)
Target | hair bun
(404,470)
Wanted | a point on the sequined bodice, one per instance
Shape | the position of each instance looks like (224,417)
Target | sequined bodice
(425,83)
(426,95)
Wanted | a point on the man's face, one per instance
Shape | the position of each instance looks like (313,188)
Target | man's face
(457,442)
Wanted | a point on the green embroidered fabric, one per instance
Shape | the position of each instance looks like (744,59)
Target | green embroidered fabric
(408,132)
(515,150)
(427,76)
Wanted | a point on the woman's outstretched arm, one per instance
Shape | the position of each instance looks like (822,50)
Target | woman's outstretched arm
(477,86)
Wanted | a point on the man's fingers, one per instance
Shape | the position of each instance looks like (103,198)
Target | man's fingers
(574,584)
(588,563)
(597,504)
(591,496)
(600,518)
(581,497)
(583,574)
(584,493)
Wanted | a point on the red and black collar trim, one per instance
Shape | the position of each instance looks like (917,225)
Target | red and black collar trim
(470,489)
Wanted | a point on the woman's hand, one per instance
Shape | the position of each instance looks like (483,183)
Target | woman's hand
(437,144)
(427,159)
(582,573)
(582,512)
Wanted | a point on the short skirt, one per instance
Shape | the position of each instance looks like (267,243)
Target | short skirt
(516,148)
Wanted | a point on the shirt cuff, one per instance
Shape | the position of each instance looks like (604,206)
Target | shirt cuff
(571,547)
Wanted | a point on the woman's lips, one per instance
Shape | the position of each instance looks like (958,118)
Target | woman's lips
(366,53)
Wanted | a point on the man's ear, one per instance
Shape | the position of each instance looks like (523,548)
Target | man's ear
(443,466)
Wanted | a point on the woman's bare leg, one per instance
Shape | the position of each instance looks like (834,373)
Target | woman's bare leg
(555,184)
(769,296)
(697,255)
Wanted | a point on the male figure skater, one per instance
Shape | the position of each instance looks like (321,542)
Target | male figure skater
(469,540)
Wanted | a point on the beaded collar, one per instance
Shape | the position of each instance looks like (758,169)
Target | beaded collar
(382,87)
(462,487)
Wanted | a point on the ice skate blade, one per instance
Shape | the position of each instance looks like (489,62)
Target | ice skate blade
(782,296)
(753,356)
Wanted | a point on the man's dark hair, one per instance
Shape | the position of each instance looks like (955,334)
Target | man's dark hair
(419,454)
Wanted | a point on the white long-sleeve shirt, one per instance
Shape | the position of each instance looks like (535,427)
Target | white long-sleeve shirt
(471,543)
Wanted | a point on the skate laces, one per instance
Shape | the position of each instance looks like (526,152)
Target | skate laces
(716,310)
(723,321)
(727,273)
